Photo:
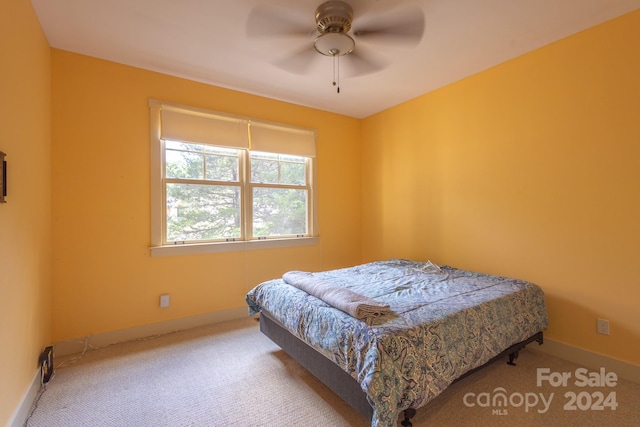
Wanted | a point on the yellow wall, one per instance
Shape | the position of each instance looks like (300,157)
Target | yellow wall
(530,169)
(104,277)
(25,221)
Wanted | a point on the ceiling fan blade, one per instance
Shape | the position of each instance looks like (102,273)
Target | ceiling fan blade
(405,27)
(270,21)
(300,62)
(360,63)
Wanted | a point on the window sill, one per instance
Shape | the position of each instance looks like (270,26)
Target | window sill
(205,248)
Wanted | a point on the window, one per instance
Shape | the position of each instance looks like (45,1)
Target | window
(222,182)
(202,193)
(280,194)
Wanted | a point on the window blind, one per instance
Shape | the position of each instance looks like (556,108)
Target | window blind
(187,124)
(207,128)
(274,138)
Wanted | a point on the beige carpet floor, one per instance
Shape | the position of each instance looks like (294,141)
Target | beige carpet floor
(229,374)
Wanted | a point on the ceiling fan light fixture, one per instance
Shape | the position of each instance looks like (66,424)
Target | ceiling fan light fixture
(334,44)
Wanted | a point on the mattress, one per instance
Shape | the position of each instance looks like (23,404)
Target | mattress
(444,322)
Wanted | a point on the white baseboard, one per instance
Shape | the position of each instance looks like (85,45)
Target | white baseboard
(589,359)
(24,408)
(77,345)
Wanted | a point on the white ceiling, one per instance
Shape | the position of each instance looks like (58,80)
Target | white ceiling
(208,41)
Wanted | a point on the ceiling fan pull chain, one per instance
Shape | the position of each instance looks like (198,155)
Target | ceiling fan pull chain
(336,71)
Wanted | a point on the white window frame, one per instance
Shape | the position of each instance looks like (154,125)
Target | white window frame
(261,130)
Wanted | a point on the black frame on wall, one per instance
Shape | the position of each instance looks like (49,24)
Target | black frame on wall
(3,178)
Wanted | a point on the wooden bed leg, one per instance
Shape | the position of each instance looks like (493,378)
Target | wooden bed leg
(512,356)
(408,414)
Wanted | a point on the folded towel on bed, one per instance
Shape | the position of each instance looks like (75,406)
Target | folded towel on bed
(352,303)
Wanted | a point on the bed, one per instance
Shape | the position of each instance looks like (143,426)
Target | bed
(442,324)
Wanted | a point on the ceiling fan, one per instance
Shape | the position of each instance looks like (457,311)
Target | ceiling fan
(334,35)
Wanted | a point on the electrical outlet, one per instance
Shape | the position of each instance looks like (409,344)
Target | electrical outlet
(164,301)
(603,326)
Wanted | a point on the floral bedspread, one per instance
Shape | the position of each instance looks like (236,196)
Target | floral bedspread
(445,323)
